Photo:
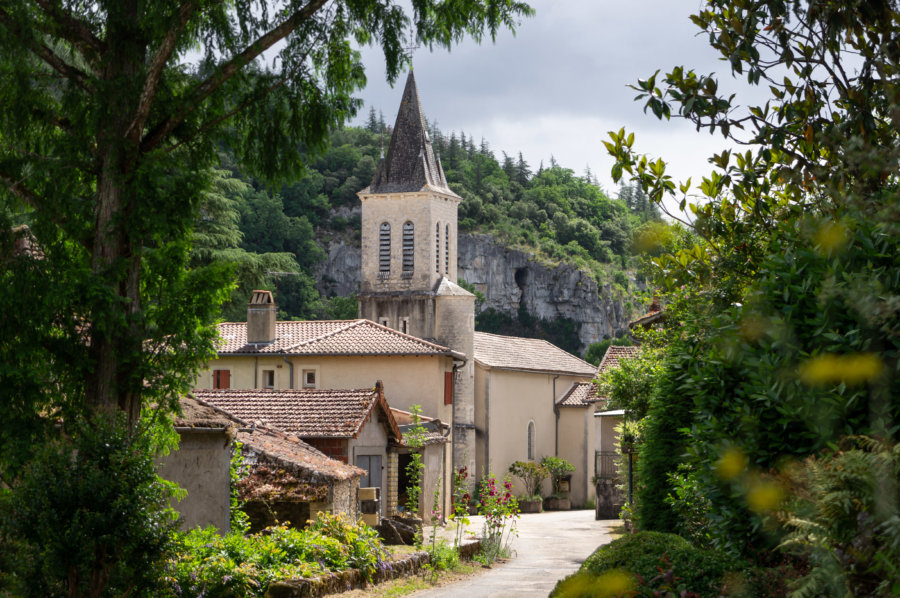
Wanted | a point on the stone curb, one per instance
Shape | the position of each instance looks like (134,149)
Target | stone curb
(344,581)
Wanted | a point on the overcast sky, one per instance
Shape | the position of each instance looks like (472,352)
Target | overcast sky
(561,83)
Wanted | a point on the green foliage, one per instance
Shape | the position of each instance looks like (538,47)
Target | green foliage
(88,516)
(843,519)
(633,384)
(207,564)
(558,468)
(238,520)
(562,332)
(460,498)
(532,475)
(414,439)
(648,562)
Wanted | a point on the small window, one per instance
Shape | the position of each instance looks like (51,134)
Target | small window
(384,322)
(437,247)
(531,440)
(384,250)
(268,378)
(409,248)
(404,325)
(447,250)
(221,379)
(309,378)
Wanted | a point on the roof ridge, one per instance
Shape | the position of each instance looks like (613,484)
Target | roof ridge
(409,336)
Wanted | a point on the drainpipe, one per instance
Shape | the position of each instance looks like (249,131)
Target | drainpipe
(556,413)
(290,370)
(256,372)
(444,480)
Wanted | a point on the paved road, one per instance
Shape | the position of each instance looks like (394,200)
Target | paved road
(550,546)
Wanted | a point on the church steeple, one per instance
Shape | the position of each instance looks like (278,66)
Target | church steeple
(410,164)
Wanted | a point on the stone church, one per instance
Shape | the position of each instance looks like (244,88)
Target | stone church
(409,258)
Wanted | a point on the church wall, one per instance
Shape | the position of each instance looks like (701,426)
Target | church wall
(391,310)
(513,398)
(576,440)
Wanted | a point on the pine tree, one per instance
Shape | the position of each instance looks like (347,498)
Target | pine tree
(522,171)
(372,123)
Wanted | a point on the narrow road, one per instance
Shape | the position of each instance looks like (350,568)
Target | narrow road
(550,546)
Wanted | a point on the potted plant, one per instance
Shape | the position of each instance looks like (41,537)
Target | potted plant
(532,475)
(560,473)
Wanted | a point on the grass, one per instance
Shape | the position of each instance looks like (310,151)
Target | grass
(408,585)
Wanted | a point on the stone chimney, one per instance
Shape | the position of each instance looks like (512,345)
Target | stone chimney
(261,312)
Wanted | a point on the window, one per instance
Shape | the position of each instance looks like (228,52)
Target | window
(221,379)
(268,378)
(404,325)
(531,440)
(448,388)
(384,322)
(309,378)
(384,251)
(447,250)
(437,247)
(409,249)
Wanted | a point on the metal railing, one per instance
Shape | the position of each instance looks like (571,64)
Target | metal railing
(605,464)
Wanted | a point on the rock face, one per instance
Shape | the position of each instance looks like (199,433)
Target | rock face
(507,278)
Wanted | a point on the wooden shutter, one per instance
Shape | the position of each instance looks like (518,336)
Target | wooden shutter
(221,379)
(448,388)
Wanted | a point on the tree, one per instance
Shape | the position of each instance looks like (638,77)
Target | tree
(789,337)
(107,134)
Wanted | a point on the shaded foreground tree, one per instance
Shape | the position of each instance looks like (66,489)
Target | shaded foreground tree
(788,330)
(112,113)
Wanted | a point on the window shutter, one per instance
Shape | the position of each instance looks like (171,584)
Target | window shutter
(221,379)
(448,388)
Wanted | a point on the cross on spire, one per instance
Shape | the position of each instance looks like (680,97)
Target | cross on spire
(412,47)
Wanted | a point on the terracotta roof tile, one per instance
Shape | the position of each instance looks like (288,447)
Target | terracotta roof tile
(331,337)
(580,394)
(306,413)
(614,354)
(289,452)
(197,413)
(516,353)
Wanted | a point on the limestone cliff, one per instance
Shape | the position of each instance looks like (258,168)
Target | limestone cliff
(506,277)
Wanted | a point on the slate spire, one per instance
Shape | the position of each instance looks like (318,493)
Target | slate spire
(410,164)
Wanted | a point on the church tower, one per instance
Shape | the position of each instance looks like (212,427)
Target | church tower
(409,258)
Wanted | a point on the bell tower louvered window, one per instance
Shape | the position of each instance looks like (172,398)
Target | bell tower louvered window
(409,248)
(437,247)
(447,250)
(384,251)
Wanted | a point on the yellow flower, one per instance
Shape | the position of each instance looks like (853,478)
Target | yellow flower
(851,369)
(731,464)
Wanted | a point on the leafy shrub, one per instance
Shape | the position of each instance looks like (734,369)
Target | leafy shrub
(87,516)
(651,561)
(558,468)
(239,566)
(532,475)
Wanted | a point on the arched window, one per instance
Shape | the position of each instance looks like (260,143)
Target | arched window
(447,250)
(384,251)
(437,247)
(409,247)
(531,440)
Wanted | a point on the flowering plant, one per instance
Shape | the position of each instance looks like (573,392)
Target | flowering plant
(460,500)
(500,510)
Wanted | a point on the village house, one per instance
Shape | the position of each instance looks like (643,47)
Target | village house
(349,425)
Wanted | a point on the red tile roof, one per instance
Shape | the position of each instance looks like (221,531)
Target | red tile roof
(580,394)
(306,413)
(614,354)
(331,337)
(531,354)
(289,452)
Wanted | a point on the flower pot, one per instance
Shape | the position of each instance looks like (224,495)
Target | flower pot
(530,506)
(557,504)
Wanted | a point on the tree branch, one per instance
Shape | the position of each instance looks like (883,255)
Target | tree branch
(156,69)
(75,31)
(44,52)
(227,71)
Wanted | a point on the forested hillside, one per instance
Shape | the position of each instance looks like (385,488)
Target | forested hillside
(548,210)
